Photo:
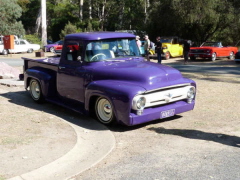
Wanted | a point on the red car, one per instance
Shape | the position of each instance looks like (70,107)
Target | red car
(212,51)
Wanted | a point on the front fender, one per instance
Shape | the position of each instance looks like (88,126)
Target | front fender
(46,78)
(118,92)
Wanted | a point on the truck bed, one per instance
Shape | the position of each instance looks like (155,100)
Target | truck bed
(49,62)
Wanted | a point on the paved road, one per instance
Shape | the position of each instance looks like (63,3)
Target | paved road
(219,67)
(15,62)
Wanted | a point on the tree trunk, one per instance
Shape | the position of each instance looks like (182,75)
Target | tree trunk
(90,9)
(103,13)
(81,10)
(44,23)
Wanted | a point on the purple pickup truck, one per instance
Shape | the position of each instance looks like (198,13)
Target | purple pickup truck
(103,74)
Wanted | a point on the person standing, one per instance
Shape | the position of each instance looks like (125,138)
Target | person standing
(138,41)
(158,49)
(186,49)
(147,47)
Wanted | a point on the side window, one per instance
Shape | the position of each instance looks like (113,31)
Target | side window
(22,42)
(73,51)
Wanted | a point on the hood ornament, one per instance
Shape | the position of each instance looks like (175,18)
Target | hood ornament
(168,97)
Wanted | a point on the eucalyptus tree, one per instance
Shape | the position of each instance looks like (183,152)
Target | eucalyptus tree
(10,12)
(200,20)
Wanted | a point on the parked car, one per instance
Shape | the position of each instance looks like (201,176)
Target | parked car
(237,57)
(172,47)
(103,74)
(58,50)
(20,45)
(212,51)
(50,47)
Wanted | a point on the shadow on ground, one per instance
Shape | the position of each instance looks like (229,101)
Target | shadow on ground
(22,98)
(196,134)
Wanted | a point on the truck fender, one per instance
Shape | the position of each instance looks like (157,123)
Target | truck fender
(46,79)
(120,94)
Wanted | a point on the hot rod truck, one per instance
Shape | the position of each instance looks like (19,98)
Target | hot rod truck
(103,74)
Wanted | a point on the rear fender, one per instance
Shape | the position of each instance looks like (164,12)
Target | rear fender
(46,78)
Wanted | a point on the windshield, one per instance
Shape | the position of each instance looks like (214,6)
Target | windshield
(212,44)
(166,40)
(111,48)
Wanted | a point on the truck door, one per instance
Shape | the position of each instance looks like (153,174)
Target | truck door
(71,72)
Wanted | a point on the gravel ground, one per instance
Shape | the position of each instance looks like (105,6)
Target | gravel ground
(31,135)
(202,144)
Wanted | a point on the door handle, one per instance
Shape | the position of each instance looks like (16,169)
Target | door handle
(61,67)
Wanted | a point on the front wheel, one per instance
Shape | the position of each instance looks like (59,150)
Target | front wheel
(231,56)
(5,52)
(167,56)
(36,91)
(214,56)
(104,111)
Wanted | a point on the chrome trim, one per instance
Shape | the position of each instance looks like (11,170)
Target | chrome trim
(179,85)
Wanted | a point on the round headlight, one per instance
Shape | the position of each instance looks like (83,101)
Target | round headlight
(141,103)
(191,93)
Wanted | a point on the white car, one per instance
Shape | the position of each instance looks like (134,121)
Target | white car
(20,45)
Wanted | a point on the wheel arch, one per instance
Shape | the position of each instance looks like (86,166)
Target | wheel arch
(46,81)
(119,96)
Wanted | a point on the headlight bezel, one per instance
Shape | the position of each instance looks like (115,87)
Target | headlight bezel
(191,94)
(139,102)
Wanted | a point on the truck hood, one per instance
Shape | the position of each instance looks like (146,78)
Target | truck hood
(141,73)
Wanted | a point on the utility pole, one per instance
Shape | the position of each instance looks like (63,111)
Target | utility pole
(44,23)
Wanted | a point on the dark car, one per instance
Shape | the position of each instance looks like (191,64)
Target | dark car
(237,57)
(50,47)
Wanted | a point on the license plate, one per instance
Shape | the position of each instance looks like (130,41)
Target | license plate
(168,113)
(196,55)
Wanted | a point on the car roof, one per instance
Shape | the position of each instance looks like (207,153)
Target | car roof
(99,35)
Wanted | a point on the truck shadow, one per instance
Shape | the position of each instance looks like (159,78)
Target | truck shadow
(122,128)
(225,139)
(22,98)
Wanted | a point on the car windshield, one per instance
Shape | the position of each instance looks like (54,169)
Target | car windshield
(212,44)
(111,48)
(166,40)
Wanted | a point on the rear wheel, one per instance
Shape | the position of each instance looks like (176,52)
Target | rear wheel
(30,50)
(51,49)
(192,58)
(36,91)
(104,111)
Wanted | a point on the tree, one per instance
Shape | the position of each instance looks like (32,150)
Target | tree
(199,20)
(10,12)
(69,29)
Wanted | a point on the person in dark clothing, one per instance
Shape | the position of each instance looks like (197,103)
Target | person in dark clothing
(158,49)
(186,49)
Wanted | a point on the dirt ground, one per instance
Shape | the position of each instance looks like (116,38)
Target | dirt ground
(200,144)
(31,135)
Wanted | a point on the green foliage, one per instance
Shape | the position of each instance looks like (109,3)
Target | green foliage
(10,12)
(69,29)
(198,20)
(33,38)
